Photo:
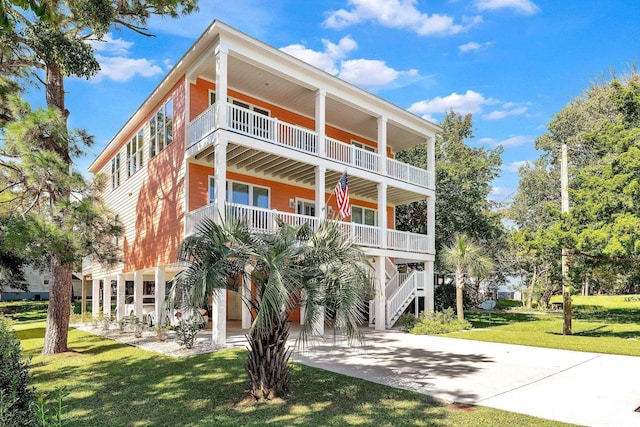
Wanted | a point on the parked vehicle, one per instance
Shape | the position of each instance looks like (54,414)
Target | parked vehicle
(148,311)
(178,314)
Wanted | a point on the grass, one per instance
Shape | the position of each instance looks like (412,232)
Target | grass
(601,324)
(115,384)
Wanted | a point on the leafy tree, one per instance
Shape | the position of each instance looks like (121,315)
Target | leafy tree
(51,39)
(463,183)
(467,260)
(291,268)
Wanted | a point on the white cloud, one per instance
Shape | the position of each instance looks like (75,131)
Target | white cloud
(515,166)
(366,73)
(501,114)
(121,69)
(474,47)
(326,60)
(501,194)
(468,103)
(113,54)
(524,7)
(401,14)
(512,141)
(109,45)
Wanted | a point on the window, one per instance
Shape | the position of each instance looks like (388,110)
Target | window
(115,172)
(161,129)
(134,153)
(212,97)
(365,216)
(242,194)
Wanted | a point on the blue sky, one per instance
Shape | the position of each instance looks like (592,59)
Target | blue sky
(511,63)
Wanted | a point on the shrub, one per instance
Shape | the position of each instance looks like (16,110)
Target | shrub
(508,303)
(406,321)
(161,332)
(17,398)
(186,331)
(440,322)
(444,296)
(138,326)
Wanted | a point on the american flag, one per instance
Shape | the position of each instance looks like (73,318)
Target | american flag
(342,196)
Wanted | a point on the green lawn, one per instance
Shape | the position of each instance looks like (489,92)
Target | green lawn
(118,385)
(601,324)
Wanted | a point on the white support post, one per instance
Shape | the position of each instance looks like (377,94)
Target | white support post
(161,283)
(321,97)
(303,302)
(318,323)
(221,84)
(380,300)
(431,223)
(106,296)
(137,294)
(428,286)
(220,179)
(245,293)
(382,213)
(431,160)
(320,195)
(120,294)
(382,144)
(95,298)
(219,317)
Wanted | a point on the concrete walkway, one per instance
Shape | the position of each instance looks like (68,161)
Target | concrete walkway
(581,388)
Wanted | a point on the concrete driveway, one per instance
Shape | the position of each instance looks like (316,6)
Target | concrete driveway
(581,388)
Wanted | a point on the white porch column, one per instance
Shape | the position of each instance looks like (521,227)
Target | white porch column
(382,144)
(83,299)
(428,286)
(161,282)
(318,323)
(106,296)
(382,213)
(137,294)
(321,97)
(380,299)
(221,84)
(431,160)
(219,317)
(320,195)
(303,301)
(120,291)
(245,294)
(220,179)
(95,298)
(431,223)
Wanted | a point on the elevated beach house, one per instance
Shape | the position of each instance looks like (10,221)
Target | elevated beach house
(239,127)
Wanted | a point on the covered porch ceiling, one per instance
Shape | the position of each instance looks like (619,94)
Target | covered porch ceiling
(254,162)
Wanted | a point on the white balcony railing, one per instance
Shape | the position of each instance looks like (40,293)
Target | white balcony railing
(263,220)
(250,123)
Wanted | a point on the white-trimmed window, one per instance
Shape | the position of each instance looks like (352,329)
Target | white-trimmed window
(161,129)
(365,216)
(134,153)
(115,171)
(243,194)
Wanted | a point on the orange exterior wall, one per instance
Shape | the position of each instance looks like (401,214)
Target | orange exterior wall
(159,223)
(200,101)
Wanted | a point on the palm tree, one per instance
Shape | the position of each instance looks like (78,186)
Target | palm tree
(321,271)
(465,257)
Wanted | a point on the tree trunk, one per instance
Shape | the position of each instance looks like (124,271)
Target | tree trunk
(534,278)
(55,338)
(60,285)
(267,364)
(459,295)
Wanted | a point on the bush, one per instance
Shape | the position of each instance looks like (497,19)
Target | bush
(439,322)
(17,399)
(186,331)
(407,321)
(444,296)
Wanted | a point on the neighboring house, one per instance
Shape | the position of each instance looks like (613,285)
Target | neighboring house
(38,283)
(240,128)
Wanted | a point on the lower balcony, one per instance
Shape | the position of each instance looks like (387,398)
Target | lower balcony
(262,220)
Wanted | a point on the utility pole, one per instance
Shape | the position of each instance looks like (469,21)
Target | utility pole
(564,191)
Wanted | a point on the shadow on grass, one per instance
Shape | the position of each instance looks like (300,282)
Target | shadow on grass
(114,384)
(609,315)
(487,319)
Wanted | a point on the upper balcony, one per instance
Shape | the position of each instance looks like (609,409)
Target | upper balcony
(271,130)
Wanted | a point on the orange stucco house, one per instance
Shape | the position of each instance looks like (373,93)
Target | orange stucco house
(239,126)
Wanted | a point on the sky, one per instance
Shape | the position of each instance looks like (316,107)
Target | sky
(510,63)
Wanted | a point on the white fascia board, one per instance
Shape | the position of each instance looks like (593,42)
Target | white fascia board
(392,253)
